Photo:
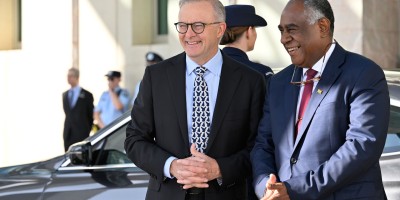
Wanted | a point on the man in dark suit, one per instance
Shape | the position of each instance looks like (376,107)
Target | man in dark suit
(186,160)
(78,109)
(328,148)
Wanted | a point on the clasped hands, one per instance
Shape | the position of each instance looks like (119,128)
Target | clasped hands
(275,190)
(195,171)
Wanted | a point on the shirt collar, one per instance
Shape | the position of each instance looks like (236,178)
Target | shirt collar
(213,66)
(116,89)
(76,88)
(320,65)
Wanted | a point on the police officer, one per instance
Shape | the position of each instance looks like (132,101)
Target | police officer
(239,38)
(113,103)
(151,59)
(240,35)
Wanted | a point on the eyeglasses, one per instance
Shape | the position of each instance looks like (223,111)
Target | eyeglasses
(317,78)
(197,27)
(301,83)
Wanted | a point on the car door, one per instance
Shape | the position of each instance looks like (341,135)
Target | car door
(110,176)
(390,159)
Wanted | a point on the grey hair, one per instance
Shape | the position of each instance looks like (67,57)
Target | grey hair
(216,4)
(313,15)
(75,72)
(317,9)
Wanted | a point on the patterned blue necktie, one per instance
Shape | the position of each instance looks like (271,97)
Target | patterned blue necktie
(201,111)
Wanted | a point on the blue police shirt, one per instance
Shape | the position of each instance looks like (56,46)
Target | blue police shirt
(108,112)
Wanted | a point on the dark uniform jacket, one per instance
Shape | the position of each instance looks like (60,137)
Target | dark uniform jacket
(242,57)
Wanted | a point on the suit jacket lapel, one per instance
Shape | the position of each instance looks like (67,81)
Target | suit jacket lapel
(81,95)
(291,108)
(228,83)
(177,83)
(66,101)
(329,75)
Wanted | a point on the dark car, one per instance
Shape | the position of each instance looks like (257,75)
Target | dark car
(390,159)
(97,168)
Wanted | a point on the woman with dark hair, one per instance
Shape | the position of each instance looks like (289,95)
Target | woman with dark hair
(240,35)
(239,38)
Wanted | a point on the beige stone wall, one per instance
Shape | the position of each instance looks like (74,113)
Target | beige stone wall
(381,32)
(32,78)
(348,24)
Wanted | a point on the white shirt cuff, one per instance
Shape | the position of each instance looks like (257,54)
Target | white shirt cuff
(167,166)
(259,187)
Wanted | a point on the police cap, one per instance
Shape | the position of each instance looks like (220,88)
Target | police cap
(153,57)
(243,15)
(112,74)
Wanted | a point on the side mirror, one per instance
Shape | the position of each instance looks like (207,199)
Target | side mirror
(80,153)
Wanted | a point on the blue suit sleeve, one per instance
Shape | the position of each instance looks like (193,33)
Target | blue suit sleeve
(262,155)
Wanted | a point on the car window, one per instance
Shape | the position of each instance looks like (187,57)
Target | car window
(394,121)
(393,137)
(111,150)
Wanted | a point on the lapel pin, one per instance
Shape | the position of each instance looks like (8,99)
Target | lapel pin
(319,91)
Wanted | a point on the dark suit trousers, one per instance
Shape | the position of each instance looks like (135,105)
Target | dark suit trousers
(195,194)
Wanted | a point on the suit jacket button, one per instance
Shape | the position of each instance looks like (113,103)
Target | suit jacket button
(293,161)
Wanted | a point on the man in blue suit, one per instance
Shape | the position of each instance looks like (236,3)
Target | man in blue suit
(332,150)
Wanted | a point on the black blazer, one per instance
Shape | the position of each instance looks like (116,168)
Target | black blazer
(79,119)
(158,128)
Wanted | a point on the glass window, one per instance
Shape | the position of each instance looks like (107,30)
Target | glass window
(19,20)
(394,121)
(162,7)
(149,22)
(111,149)
(393,137)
